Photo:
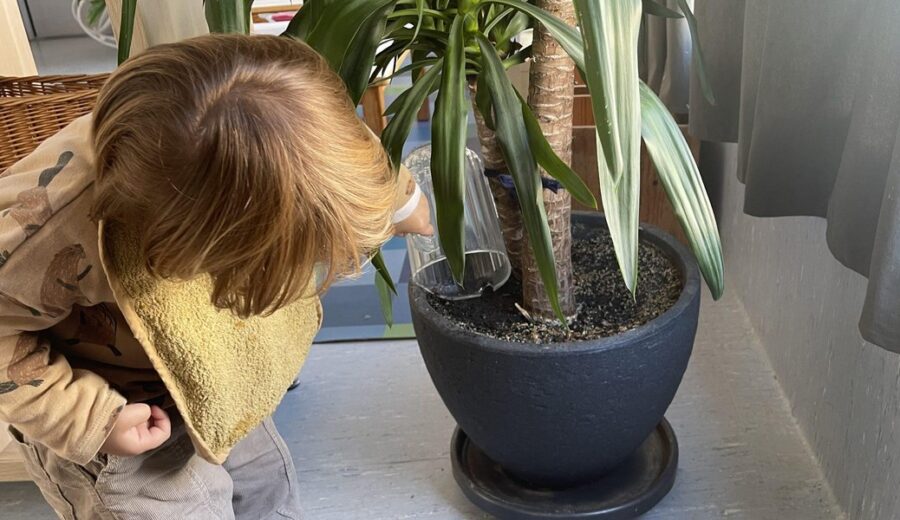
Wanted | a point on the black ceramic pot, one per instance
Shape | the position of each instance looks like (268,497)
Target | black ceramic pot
(563,414)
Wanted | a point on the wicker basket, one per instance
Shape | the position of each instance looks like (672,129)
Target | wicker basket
(36,107)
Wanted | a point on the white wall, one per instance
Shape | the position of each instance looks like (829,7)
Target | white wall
(844,392)
(15,54)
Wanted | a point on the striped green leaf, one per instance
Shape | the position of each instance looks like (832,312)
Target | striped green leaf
(681,179)
(610,29)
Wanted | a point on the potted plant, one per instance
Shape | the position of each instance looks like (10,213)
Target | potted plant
(560,406)
(571,428)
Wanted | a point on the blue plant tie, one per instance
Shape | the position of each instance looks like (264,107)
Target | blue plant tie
(509,185)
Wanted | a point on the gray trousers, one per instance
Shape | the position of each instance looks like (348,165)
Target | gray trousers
(257,481)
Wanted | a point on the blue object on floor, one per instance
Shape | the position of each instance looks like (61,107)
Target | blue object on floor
(352,310)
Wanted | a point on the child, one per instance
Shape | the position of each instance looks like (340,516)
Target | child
(238,158)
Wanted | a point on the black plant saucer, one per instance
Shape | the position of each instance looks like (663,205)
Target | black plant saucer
(630,490)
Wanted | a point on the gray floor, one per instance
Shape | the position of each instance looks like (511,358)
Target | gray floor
(77,55)
(370,437)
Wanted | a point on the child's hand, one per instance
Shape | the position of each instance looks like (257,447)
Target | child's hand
(418,222)
(139,428)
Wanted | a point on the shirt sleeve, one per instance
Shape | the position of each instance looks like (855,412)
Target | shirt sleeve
(69,411)
(48,264)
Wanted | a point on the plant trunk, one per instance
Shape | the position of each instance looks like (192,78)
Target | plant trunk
(551,97)
(507,209)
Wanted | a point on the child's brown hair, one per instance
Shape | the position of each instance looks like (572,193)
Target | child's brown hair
(241,157)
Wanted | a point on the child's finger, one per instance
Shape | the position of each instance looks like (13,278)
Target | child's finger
(152,439)
(132,415)
(158,430)
(161,420)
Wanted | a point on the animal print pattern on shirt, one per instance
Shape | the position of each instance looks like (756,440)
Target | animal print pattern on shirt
(32,209)
(28,363)
(60,289)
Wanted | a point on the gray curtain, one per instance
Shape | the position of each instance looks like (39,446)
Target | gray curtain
(665,58)
(810,91)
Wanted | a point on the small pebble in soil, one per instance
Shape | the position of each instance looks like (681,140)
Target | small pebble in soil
(605,307)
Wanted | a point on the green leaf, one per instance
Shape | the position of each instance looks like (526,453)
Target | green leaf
(564,34)
(334,33)
(419,56)
(381,269)
(697,55)
(483,102)
(434,37)
(448,131)
(397,130)
(610,29)
(227,16)
(551,162)
(357,63)
(126,29)
(384,56)
(519,57)
(497,19)
(518,23)
(386,299)
(307,18)
(520,159)
(347,34)
(400,102)
(420,8)
(654,9)
(423,47)
(385,287)
(681,179)
(419,12)
(412,66)
(95,11)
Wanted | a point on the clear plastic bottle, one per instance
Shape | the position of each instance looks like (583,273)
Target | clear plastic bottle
(487,264)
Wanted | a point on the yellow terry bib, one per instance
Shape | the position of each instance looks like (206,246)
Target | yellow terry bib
(225,374)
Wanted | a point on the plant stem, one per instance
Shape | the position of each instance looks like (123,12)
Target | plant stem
(507,209)
(551,97)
